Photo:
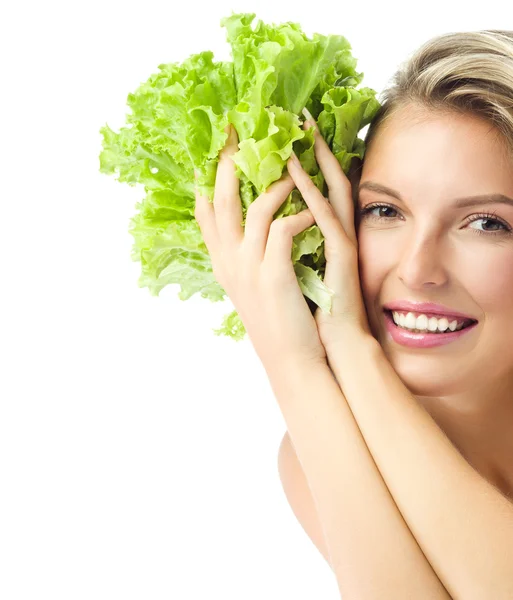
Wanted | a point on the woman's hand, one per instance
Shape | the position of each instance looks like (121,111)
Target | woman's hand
(335,219)
(254,264)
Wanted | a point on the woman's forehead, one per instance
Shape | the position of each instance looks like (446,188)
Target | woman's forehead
(441,143)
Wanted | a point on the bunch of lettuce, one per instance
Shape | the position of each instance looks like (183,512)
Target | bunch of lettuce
(177,126)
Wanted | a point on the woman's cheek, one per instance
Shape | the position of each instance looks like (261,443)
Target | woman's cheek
(492,281)
(371,263)
(372,268)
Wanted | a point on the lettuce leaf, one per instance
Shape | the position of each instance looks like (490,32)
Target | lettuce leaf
(177,126)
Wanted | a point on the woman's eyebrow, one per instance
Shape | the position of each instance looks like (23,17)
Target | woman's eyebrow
(457,202)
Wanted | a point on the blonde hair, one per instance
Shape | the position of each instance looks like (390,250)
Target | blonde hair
(467,73)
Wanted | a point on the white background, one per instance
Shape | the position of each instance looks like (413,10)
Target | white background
(138,451)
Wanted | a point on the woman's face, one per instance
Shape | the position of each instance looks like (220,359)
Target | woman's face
(423,249)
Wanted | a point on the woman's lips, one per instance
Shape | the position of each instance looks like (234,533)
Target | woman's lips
(429,315)
(422,340)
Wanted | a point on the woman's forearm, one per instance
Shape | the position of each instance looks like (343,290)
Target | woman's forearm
(372,551)
(463,523)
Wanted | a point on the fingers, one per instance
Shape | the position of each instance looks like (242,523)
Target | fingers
(278,252)
(260,215)
(227,202)
(322,210)
(205,217)
(339,186)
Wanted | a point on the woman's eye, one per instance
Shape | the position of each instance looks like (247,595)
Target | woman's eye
(386,212)
(493,222)
(372,207)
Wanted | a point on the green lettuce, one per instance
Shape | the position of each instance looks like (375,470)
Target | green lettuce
(177,126)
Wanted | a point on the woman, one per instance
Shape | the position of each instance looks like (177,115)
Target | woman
(398,459)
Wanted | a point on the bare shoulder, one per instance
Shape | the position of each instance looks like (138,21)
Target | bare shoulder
(298,494)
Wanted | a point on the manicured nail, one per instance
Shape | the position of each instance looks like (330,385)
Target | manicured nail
(232,134)
(307,114)
(295,159)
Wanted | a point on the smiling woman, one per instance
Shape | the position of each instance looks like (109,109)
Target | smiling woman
(433,214)
(434,219)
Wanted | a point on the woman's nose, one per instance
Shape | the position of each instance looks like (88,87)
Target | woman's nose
(422,263)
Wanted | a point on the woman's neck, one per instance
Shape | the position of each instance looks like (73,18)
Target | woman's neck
(480,426)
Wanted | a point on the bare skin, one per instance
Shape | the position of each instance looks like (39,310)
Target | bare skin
(423,249)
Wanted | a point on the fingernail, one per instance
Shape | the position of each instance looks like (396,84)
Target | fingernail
(295,159)
(310,122)
(232,132)
(307,114)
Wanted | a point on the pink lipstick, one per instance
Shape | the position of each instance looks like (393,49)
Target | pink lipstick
(422,340)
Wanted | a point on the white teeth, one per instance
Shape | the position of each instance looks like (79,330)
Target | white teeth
(424,324)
